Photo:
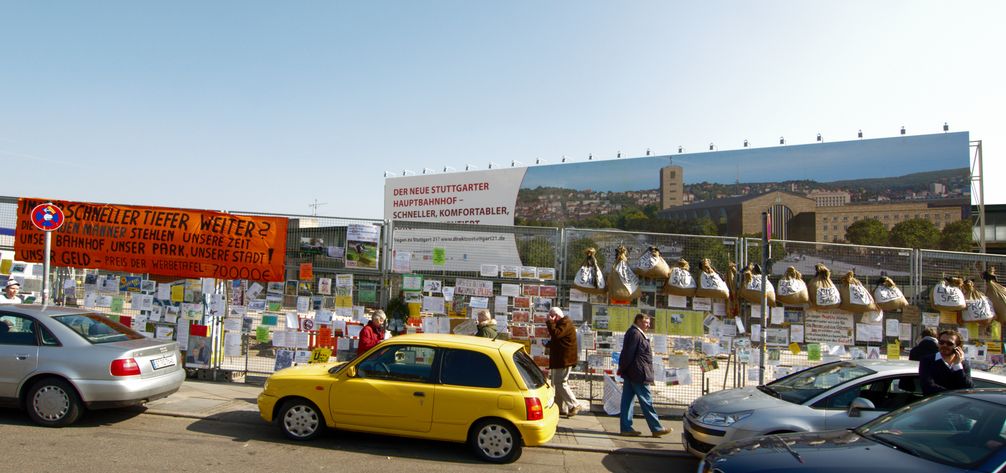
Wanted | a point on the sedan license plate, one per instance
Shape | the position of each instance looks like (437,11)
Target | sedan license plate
(163,362)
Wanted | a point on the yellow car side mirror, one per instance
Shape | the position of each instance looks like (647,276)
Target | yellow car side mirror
(351,371)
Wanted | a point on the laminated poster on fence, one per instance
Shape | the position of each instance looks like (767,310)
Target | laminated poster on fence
(401,262)
(232,343)
(302,356)
(679,376)
(612,396)
(619,318)
(813,352)
(489,270)
(509,271)
(232,324)
(433,304)
(182,334)
(502,323)
(869,332)
(704,304)
(500,304)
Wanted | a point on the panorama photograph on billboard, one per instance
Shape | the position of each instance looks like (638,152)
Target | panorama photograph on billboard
(814,192)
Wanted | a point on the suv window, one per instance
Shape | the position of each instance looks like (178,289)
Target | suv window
(533,377)
(469,368)
(399,363)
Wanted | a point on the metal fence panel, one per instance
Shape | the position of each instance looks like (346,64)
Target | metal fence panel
(673,388)
(935,266)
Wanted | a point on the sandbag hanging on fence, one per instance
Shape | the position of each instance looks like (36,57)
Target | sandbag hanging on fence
(589,278)
(978,306)
(792,290)
(622,282)
(823,293)
(733,301)
(948,295)
(751,286)
(652,265)
(710,283)
(996,293)
(855,296)
(888,296)
(680,282)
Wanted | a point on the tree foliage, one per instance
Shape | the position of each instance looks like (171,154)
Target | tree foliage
(576,252)
(915,233)
(957,236)
(868,231)
(537,251)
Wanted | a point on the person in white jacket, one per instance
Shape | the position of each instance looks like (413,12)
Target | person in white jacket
(10,290)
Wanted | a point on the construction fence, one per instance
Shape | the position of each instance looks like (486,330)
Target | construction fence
(518,273)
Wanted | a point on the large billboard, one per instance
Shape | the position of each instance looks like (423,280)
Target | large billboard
(927,167)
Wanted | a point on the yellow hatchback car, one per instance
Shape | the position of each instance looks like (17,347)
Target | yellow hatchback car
(458,388)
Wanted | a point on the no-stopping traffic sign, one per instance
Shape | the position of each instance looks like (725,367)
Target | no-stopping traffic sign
(47,217)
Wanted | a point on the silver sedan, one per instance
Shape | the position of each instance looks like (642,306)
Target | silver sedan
(831,396)
(57,362)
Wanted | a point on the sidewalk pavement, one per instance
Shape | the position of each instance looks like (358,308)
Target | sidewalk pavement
(588,431)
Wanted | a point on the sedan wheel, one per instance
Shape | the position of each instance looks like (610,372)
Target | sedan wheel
(300,420)
(496,441)
(53,403)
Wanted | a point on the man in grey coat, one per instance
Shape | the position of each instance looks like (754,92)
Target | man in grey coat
(635,366)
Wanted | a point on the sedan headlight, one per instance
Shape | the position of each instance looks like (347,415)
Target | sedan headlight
(724,420)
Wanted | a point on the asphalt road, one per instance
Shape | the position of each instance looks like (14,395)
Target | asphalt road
(131,441)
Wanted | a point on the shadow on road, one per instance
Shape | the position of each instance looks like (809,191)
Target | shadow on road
(89,419)
(245,426)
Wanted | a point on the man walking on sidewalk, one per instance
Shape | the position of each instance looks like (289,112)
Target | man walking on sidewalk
(562,357)
(635,366)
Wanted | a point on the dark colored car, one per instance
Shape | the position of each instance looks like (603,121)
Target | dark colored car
(961,431)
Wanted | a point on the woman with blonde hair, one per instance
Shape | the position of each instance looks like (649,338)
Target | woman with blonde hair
(486,325)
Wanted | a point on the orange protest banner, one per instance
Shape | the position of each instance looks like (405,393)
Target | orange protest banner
(157,240)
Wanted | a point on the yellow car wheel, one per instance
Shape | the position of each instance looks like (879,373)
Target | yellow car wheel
(300,419)
(495,441)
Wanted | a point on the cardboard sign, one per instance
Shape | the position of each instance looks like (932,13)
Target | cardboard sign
(158,240)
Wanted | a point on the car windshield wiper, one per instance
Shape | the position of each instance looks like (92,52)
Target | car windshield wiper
(767,390)
(788,448)
(888,439)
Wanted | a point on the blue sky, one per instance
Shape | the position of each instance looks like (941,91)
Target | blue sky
(267,106)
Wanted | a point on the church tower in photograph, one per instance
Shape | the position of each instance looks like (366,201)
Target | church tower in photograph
(672,186)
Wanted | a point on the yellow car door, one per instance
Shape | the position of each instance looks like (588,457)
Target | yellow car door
(390,390)
(472,388)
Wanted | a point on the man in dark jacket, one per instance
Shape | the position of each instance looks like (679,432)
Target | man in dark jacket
(562,357)
(927,347)
(635,366)
(947,370)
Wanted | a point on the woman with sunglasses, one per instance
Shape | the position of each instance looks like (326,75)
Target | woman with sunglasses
(946,370)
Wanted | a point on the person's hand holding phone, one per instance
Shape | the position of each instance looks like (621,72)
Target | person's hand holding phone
(958,356)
